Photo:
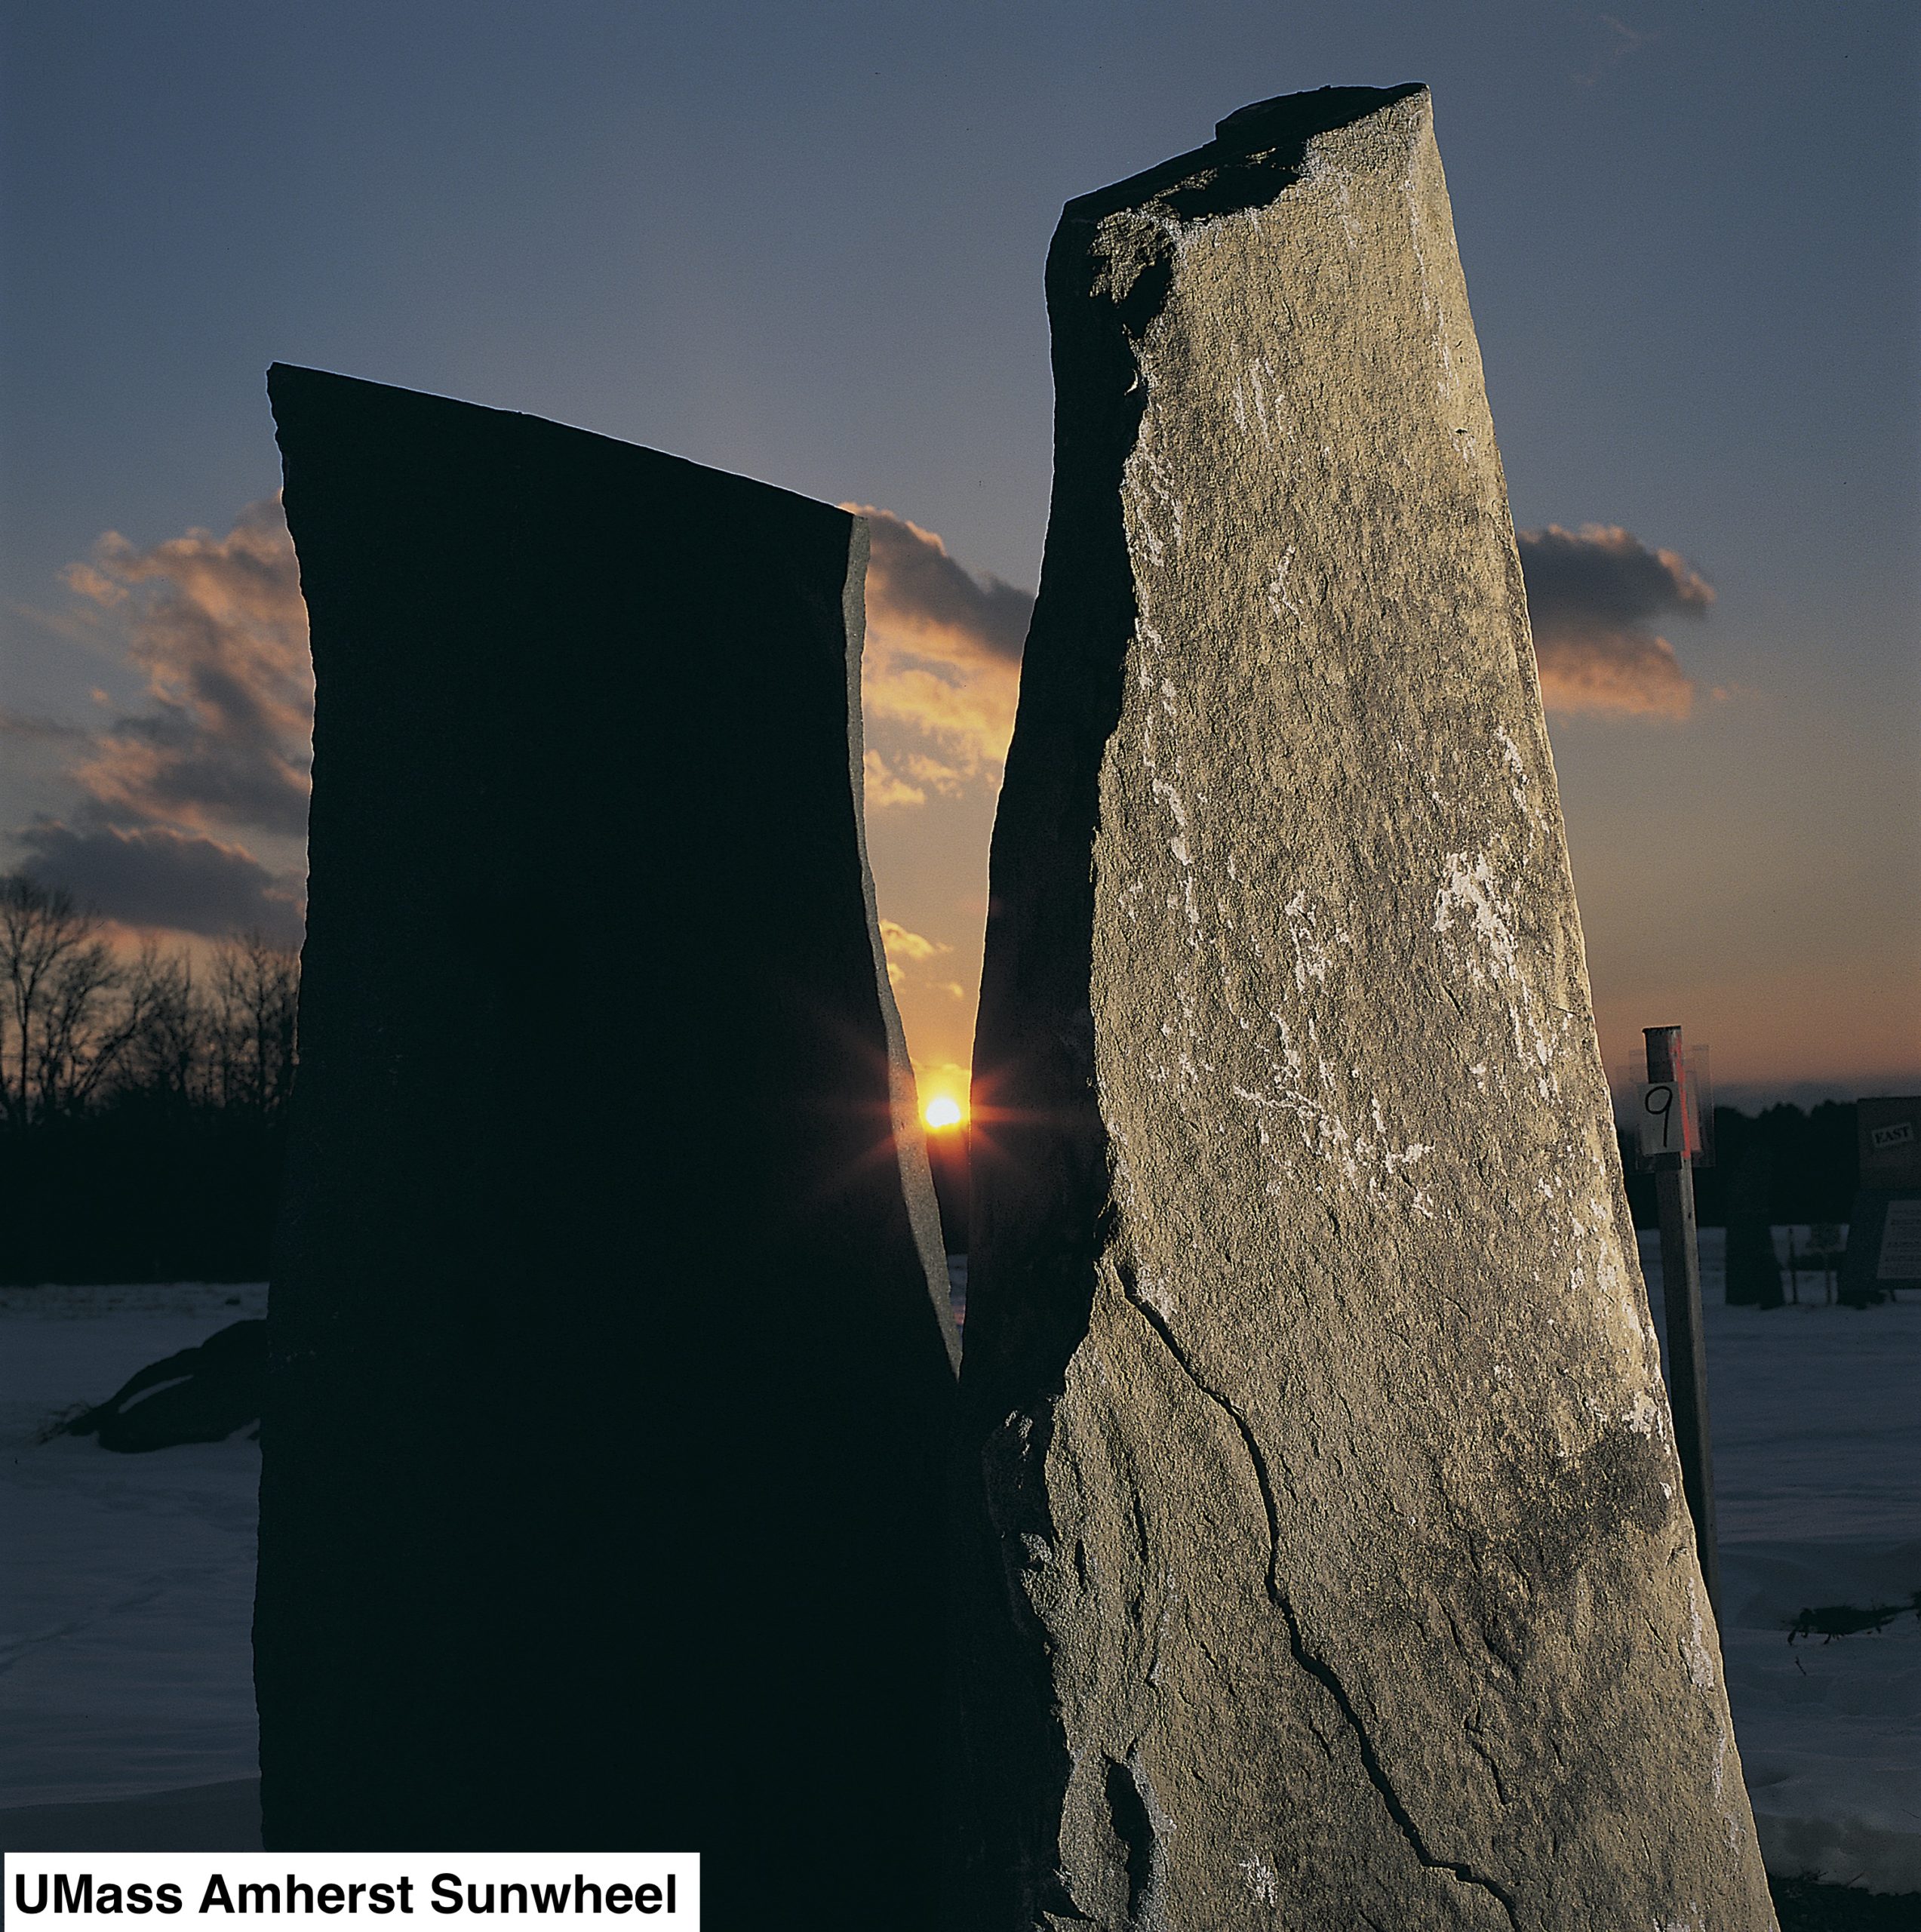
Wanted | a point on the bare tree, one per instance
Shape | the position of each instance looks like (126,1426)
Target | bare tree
(171,1031)
(62,1031)
(78,1025)
(256,988)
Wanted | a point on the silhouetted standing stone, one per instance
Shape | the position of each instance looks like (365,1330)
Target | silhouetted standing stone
(1333,1569)
(611,1366)
(1752,1269)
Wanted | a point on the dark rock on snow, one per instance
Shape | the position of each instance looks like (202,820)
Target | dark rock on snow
(202,1394)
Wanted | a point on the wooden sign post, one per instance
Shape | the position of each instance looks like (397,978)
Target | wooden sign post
(1669,1136)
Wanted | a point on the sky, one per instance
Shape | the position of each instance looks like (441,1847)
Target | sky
(805,243)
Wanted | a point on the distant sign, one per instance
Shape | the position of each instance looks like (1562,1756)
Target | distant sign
(1900,1243)
(1889,1125)
(1663,1118)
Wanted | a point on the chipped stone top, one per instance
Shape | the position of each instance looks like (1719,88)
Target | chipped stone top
(1252,156)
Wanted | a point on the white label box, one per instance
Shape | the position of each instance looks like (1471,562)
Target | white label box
(272,1891)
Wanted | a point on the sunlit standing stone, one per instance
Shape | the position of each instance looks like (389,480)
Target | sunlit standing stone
(1331,1566)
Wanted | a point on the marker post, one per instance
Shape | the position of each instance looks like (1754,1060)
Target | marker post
(1668,1101)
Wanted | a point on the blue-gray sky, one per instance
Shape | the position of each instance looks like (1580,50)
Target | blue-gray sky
(805,242)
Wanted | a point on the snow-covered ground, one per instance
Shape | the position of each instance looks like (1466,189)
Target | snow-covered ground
(126,1589)
(127,1584)
(1816,1416)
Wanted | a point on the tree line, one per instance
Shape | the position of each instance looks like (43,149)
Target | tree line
(1783,1165)
(143,1099)
(144,1107)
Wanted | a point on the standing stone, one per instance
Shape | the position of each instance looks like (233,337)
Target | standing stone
(1332,1567)
(611,1373)
(1752,1269)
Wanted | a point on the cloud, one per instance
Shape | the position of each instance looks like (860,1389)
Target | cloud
(909,946)
(220,746)
(217,625)
(901,946)
(941,673)
(42,730)
(920,589)
(1619,42)
(1592,596)
(941,666)
(154,875)
(883,787)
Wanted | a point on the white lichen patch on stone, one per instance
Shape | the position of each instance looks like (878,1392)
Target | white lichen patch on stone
(1146,479)
(1516,768)
(1322,176)
(1261,1879)
(1310,953)
(1471,898)
(1643,1415)
(1278,600)
(1700,1665)
(1362,1164)
(1470,890)
(1579,1228)
(1166,791)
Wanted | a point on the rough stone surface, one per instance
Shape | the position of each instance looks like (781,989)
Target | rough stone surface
(610,1371)
(1333,1569)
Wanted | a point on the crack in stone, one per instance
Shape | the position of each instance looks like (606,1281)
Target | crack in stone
(1318,1667)
(1488,1758)
(1132,1816)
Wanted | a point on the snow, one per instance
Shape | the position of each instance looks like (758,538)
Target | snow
(125,1657)
(126,1595)
(1817,1447)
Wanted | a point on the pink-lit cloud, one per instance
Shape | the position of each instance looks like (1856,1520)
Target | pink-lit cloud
(906,949)
(166,796)
(157,875)
(217,625)
(942,668)
(1593,598)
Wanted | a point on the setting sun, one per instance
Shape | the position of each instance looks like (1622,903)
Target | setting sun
(942,1111)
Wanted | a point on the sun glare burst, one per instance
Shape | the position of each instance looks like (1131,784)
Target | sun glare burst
(942,1111)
